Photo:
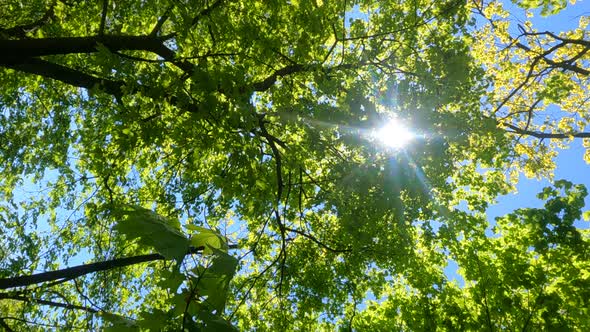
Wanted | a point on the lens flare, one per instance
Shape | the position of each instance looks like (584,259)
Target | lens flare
(394,134)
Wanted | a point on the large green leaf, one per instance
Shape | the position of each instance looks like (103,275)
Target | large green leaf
(207,239)
(223,264)
(160,233)
(215,323)
(213,281)
(119,323)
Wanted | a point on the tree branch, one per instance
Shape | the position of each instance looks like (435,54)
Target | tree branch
(26,48)
(76,271)
(103,17)
(22,50)
(536,134)
(67,75)
(80,270)
(24,57)
(269,81)
(161,22)
(205,12)
(565,64)
(318,242)
(581,42)
(5,325)
(48,303)
(21,31)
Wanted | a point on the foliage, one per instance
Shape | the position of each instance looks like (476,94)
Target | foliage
(530,274)
(548,7)
(211,166)
(539,89)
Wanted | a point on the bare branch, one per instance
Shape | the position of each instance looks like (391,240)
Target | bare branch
(48,303)
(318,242)
(69,76)
(520,131)
(80,270)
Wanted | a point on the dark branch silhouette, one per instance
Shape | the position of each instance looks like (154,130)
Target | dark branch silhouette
(26,48)
(47,302)
(517,130)
(80,270)
(68,76)
(76,271)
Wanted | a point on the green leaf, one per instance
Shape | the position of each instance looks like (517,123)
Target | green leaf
(119,323)
(214,322)
(154,231)
(548,7)
(213,281)
(218,324)
(153,321)
(223,264)
(207,239)
(172,281)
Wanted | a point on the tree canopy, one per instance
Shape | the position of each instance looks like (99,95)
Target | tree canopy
(213,165)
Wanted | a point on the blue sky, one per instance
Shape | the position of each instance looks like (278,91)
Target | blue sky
(570,166)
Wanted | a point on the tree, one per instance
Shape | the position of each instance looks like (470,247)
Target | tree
(212,165)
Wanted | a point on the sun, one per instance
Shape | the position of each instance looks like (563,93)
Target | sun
(394,134)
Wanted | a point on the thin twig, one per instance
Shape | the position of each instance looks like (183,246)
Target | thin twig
(318,242)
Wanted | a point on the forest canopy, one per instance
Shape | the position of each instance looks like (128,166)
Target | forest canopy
(216,165)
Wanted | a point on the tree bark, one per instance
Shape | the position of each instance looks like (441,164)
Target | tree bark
(15,50)
(76,271)
(80,270)
(68,76)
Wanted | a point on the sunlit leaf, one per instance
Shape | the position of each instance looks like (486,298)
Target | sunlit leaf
(154,231)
